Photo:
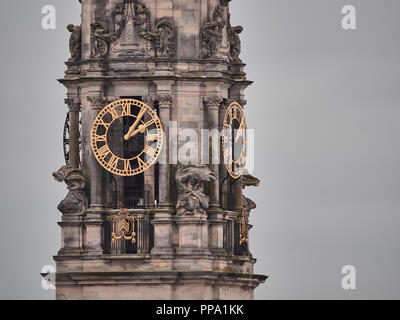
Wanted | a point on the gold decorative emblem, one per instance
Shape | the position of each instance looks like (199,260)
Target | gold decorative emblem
(243,221)
(123,226)
(127,137)
(234,140)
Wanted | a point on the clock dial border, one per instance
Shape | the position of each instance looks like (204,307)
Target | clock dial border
(101,153)
(232,112)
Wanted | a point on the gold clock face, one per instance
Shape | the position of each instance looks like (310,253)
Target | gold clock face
(127,137)
(234,140)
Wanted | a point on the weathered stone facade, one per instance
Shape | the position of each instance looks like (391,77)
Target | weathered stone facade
(181,56)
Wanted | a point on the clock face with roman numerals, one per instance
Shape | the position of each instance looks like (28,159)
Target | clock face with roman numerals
(127,137)
(234,140)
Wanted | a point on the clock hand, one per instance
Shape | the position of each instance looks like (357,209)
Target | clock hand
(133,127)
(240,131)
(141,129)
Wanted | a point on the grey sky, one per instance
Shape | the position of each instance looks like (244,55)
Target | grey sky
(325,109)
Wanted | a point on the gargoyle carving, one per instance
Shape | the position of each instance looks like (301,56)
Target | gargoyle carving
(99,40)
(76,199)
(190,184)
(164,39)
(75,42)
(212,34)
(247,181)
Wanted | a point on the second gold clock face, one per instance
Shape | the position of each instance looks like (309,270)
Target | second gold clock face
(234,140)
(127,137)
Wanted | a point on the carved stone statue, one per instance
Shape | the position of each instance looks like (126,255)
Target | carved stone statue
(99,40)
(76,199)
(164,39)
(190,184)
(75,42)
(212,35)
(234,43)
(247,181)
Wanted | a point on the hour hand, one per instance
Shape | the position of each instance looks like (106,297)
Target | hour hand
(131,131)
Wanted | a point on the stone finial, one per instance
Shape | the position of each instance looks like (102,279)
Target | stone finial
(76,199)
(190,184)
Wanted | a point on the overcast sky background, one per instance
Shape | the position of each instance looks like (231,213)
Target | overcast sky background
(325,107)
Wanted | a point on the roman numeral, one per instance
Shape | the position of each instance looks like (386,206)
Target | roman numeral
(126,109)
(113,163)
(102,123)
(114,113)
(152,137)
(150,151)
(99,138)
(103,151)
(127,165)
(141,162)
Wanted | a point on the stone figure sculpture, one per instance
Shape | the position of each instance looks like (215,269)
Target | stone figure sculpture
(76,199)
(235,43)
(75,42)
(190,184)
(163,39)
(212,34)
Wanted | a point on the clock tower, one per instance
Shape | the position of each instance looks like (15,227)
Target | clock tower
(154,208)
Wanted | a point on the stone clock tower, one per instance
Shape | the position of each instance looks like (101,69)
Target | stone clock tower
(137,222)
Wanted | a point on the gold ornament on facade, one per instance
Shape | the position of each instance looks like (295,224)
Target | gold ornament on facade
(243,221)
(234,140)
(123,226)
(127,137)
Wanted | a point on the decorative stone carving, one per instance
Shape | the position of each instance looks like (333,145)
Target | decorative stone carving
(98,102)
(213,102)
(248,204)
(165,101)
(131,23)
(75,42)
(163,39)
(76,199)
(99,40)
(190,184)
(214,37)
(235,43)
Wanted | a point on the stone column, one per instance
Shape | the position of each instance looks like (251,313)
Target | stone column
(164,105)
(212,104)
(74,108)
(163,221)
(94,220)
(96,190)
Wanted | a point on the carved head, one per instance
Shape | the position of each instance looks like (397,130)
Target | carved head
(70,27)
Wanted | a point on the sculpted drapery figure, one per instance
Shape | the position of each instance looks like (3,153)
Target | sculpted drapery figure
(163,39)
(212,34)
(75,42)
(76,199)
(190,184)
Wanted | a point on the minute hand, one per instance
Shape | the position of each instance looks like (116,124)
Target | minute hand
(240,131)
(133,127)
